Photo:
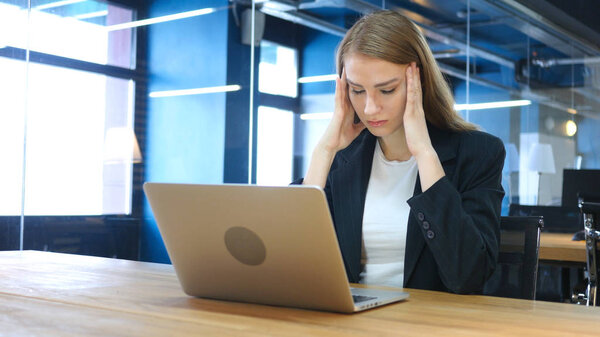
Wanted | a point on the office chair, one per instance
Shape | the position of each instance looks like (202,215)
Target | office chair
(516,273)
(556,218)
(591,218)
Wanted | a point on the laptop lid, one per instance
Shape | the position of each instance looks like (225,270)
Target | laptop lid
(270,245)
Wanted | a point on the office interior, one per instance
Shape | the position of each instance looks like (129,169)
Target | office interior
(99,97)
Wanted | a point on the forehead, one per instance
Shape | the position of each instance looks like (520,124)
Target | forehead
(365,70)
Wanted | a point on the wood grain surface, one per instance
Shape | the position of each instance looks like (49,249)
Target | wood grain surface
(54,294)
(560,247)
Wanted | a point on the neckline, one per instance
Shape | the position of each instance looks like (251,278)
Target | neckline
(379,153)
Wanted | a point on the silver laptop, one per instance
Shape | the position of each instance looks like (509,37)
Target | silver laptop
(268,245)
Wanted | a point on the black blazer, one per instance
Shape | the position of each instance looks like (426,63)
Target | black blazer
(453,228)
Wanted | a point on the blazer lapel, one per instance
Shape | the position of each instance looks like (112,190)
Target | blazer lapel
(349,189)
(446,146)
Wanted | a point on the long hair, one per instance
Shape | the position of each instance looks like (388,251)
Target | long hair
(390,36)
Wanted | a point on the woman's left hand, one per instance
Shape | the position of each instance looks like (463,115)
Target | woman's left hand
(415,127)
(417,136)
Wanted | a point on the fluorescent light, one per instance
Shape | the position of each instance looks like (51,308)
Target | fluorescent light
(164,18)
(57,4)
(316,115)
(320,78)
(491,105)
(91,15)
(572,111)
(570,128)
(195,91)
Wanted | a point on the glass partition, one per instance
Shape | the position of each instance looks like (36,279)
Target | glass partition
(99,97)
(68,127)
(13,86)
(200,80)
(511,79)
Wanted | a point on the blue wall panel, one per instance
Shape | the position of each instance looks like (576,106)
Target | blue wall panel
(494,121)
(185,134)
(588,142)
(318,58)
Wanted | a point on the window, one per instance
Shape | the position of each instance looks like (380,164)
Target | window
(277,83)
(275,146)
(278,70)
(60,106)
(76,29)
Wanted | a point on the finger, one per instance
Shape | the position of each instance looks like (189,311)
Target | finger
(340,101)
(418,87)
(338,91)
(347,104)
(415,86)
(409,87)
(344,82)
(345,87)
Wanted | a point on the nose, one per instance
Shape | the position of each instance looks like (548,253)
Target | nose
(372,105)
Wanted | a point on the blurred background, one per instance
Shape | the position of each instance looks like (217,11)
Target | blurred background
(97,97)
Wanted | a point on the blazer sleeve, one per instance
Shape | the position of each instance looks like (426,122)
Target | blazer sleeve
(460,218)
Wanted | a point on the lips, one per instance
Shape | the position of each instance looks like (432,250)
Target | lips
(376,123)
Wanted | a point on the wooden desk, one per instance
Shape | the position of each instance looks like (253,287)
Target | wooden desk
(53,294)
(558,247)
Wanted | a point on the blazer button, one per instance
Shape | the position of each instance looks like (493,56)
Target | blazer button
(421,216)
(430,234)
(425,225)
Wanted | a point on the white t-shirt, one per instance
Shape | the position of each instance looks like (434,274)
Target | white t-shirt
(385,219)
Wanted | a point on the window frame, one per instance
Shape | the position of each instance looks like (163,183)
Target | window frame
(103,226)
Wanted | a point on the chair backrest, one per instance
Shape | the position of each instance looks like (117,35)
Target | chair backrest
(516,273)
(556,218)
(591,221)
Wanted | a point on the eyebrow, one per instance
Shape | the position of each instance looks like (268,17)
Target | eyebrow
(382,84)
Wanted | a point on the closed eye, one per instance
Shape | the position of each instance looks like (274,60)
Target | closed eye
(387,92)
(357,92)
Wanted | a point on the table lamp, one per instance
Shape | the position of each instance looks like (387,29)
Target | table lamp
(541,160)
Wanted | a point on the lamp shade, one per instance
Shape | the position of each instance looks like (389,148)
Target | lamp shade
(121,146)
(541,158)
(512,158)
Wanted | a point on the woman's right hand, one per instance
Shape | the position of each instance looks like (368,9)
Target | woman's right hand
(338,135)
(341,130)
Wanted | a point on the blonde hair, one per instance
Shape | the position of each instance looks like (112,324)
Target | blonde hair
(390,36)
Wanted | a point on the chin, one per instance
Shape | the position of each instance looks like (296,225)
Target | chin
(379,132)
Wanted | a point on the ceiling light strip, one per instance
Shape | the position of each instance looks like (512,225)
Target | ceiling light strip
(57,4)
(491,105)
(91,15)
(316,116)
(194,91)
(319,78)
(165,18)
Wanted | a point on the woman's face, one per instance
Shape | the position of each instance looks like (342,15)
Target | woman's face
(377,91)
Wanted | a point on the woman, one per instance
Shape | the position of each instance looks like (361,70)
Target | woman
(415,197)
